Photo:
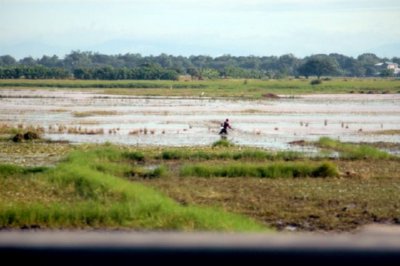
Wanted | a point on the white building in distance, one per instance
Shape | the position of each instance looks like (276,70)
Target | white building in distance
(390,66)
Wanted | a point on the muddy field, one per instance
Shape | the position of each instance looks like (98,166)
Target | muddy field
(87,116)
(364,189)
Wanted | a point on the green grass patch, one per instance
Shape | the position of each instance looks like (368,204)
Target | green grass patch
(9,169)
(109,186)
(232,88)
(88,189)
(270,170)
(353,151)
(230,154)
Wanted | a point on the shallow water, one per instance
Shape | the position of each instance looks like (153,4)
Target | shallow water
(195,121)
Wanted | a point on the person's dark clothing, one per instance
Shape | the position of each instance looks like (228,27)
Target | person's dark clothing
(224,128)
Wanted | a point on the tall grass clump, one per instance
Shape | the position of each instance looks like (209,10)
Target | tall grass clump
(266,155)
(134,156)
(172,155)
(289,155)
(223,143)
(326,142)
(272,170)
(10,169)
(252,154)
(353,151)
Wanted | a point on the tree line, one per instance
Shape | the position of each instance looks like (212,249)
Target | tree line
(89,65)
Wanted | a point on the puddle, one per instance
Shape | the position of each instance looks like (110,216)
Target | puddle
(195,121)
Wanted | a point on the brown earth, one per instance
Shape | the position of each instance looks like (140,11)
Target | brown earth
(366,192)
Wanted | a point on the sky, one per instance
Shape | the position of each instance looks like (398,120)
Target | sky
(207,27)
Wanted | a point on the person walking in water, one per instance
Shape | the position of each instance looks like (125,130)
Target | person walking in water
(224,127)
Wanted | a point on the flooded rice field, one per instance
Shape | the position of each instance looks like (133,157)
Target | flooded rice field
(84,116)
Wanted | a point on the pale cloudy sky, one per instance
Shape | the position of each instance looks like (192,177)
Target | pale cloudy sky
(208,27)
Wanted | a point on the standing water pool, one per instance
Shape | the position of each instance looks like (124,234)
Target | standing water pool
(89,117)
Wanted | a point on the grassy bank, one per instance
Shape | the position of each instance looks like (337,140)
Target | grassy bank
(352,151)
(236,88)
(90,189)
(197,189)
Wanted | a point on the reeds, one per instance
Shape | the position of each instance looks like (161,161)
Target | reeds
(247,154)
(271,170)
(78,130)
(144,131)
(85,131)
(19,128)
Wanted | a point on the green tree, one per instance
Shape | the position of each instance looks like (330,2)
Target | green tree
(7,60)
(318,66)
(209,73)
(193,72)
(28,61)
(368,59)
(82,73)
(287,64)
(52,61)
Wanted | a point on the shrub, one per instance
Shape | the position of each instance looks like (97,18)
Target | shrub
(31,135)
(316,82)
(18,137)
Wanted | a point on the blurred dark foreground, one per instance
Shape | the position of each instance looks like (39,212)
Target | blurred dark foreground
(374,245)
